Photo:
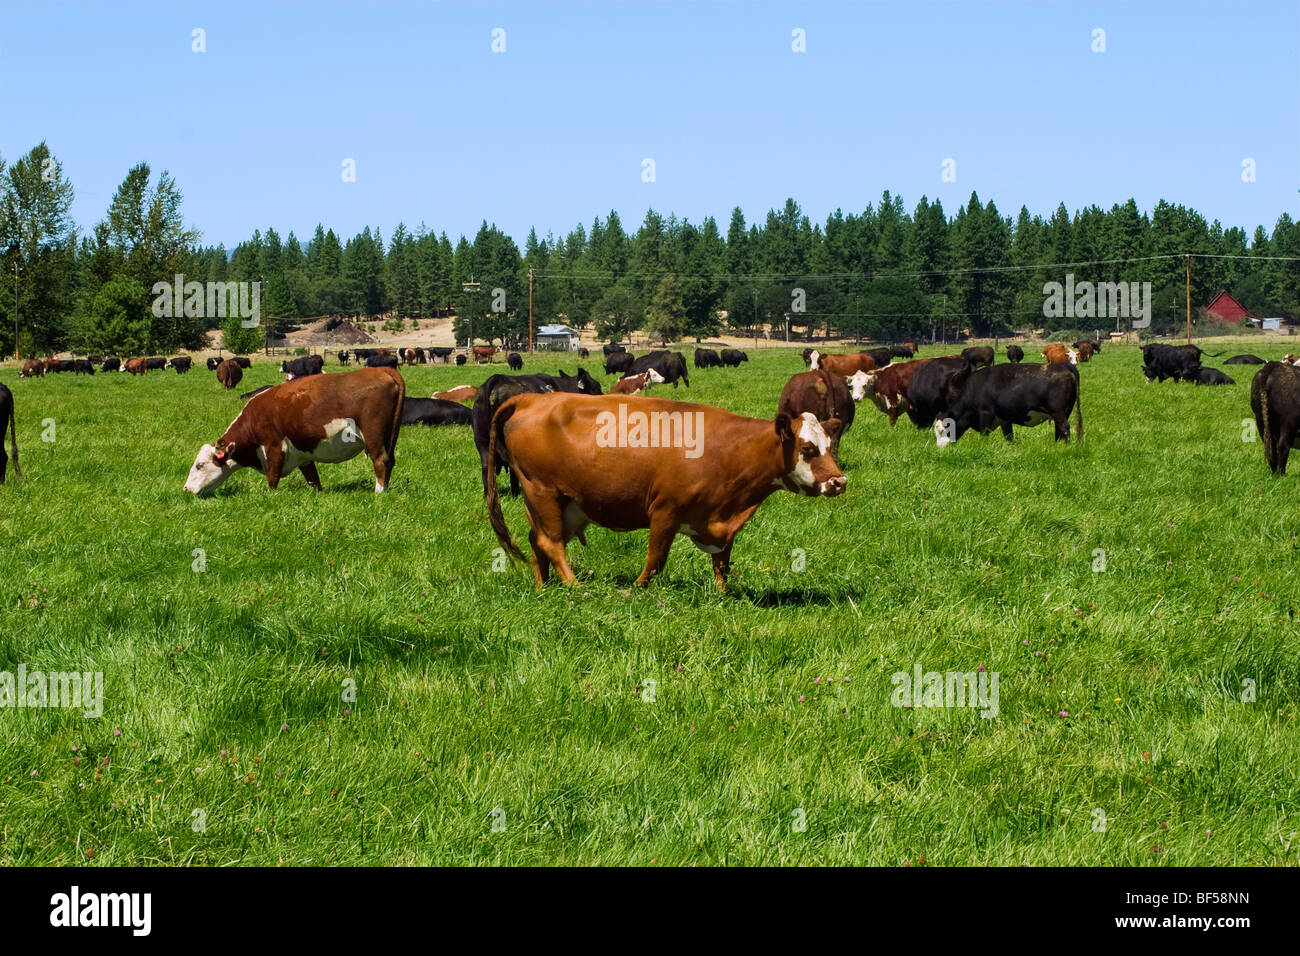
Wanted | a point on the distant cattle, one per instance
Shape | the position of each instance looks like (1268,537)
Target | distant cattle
(155,364)
(1015,353)
(610,348)
(301,367)
(484,353)
(181,363)
(9,421)
(1275,400)
(1001,396)
(616,362)
(1058,354)
(583,353)
(1093,344)
(732,357)
(381,361)
(881,356)
(360,355)
(83,367)
(213,362)
(408,356)
(824,395)
(577,467)
(1085,350)
(1246,359)
(421,357)
(845,364)
(434,411)
(515,361)
(136,366)
(242,361)
(344,357)
(707,358)
(934,386)
(461,393)
(111,365)
(442,352)
(229,373)
(632,384)
(887,387)
(807,356)
(901,351)
(497,389)
(33,368)
(317,418)
(1212,376)
(460,359)
(978,356)
(670,365)
(1179,362)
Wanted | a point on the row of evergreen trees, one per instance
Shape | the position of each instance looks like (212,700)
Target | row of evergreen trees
(883,273)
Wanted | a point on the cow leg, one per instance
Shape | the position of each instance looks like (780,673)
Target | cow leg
(1063,427)
(378,454)
(541,563)
(274,462)
(722,567)
(1283,447)
(308,469)
(547,540)
(1006,431)
(661,540)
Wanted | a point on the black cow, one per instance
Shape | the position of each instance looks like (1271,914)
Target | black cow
(381,361)
(181,363)
(1246,359)
(300,367)
(213,362)
(83,367)
(1006,395)
(67,365)
(731,358)
(707,358)
(460,359)
(583,353)
(500,387)
(434,411)
(1212,376)
(1179,362)
(421,357)
(155,364)
(900,351)
(111,365)
(934,387)
(1275,400)
(515,361)
(7,419)
(978,355)
(362,354)
(616,362)
(242,361)
(443,352)
(344,357)
(611,347)
(671,365)
(1015,353)
(881,356)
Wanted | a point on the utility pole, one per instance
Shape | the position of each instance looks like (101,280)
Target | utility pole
(16,356)
(530,310)
(470,287)
(1189,298)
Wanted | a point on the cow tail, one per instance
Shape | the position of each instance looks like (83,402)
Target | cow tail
(498,520)
(1270,453)
(13,439)
(397,418)
(1078,412)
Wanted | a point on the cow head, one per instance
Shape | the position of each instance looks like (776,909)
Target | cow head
(1074,356)
(588,385)
(806,445)
(813,357)
(213,465)
(652,377)
(862,384)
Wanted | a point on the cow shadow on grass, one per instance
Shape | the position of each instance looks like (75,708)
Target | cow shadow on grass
(784,597)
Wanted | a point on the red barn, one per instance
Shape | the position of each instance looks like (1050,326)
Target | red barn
(1224,308)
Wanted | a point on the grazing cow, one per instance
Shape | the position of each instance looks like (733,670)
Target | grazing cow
(461,393)
(300,367)
(344,357)
(822,394)
(1058,354)
(579,460)
(1085,350)
(229,373)
(8,420)
(460,359)
(442,352)
(515,361)
(881,356)
(243,361)
(1179,362)
(33,368)
(434,411)
(257,391)
(1246,359)
(83,367)
(213,362)
(978,356)
(155,364)
(111,365)
(807,356)
(136,366)
(421,357)
(901,351)
(632,384)
(1275,400)
(1015,353)
(670,365)
(484,353)
(934,386)
(182,364)
(1093,344)
(732,358)
(326,418)
(583,353)
(707,358)
(845,364)
(408,356)
(66,365)
(1212,376)
(616,362)
(52,365)
(887,387)
(360,355)
(1006,395)
(911,346)
(497,389)
(609,348)
(379,360)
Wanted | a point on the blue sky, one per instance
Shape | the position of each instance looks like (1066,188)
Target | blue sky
(554,130)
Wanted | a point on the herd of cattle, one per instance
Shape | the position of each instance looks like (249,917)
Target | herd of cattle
(580,456)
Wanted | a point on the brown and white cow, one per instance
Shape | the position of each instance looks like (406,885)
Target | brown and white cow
(1291,359)
(887,387)
(136,366)
(822,394)
(32,368)
(843,364)
(229,373)
(632,384)
(1057,353)
(484,353)
(327,418)
(461,393)
(650,463)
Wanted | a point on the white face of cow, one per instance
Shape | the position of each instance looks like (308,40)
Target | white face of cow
(815,471)
(653,378)
(859,384)
(813,359)
(1074,356)
(208,472)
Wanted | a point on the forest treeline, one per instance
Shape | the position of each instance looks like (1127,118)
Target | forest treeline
(883,273)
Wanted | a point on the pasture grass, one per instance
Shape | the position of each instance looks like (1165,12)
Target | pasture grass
(480,701)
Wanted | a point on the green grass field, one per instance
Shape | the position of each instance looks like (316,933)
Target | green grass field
(495,723)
